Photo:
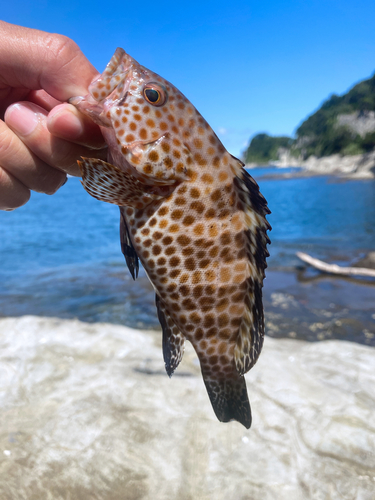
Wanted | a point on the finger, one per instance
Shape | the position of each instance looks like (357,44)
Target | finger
(38,97)
(23,165)
(29,122)
(42,99)
(13,193)
(66,122)
(53,63)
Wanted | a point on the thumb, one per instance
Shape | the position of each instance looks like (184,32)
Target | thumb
(35,60)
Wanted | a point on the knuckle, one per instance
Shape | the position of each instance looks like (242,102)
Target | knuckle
(46,178)
(64,159)
(54,182)
(32,171)
(21,200)
(9,145)
(12,194)
(62,49)
(64,155)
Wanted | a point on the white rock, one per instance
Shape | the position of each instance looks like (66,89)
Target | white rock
(359,122)
(90,414)
(360,166)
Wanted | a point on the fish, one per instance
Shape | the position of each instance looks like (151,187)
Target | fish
(192,215)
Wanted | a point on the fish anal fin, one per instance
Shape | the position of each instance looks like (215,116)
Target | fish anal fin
(127,247)
(105,182)
(173,339)
(229,399)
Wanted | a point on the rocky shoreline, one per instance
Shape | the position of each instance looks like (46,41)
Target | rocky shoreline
(88,412)
(355,166)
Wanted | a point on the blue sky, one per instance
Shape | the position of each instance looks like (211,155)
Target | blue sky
(247,66)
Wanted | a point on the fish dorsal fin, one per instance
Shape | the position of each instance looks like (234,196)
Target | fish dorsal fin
(238,160)
(105,182)
(251,332)
(173,340)
(127,247)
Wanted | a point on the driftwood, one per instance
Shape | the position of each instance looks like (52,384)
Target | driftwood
(334,268)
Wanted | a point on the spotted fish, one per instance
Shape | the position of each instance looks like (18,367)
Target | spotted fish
(192,215)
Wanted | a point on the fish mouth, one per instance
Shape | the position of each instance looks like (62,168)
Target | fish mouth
(106,90)
(89,107)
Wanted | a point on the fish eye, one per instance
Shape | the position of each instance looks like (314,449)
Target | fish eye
(155,94)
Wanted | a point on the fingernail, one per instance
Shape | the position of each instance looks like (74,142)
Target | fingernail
(23,118)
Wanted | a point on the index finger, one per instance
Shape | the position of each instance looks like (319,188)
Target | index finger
(33,59)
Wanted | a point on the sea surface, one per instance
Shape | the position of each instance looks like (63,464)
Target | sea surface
(60,256)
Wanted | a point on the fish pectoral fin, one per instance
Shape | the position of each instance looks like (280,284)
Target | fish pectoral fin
(105,182)
(229,399)
(173,339)
(127,247)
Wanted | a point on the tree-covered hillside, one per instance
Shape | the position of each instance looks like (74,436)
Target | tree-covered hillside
(264,148)
(323,133)
(360,98)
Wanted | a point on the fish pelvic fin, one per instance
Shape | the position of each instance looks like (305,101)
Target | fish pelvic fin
(105,182)
(127,247)
(251,332)
(229,399)
(173,339)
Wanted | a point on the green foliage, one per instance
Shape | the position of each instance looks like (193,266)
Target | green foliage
(319,134)
(368,142)
(352,149)
(361,97)
(264,148)
(334,141)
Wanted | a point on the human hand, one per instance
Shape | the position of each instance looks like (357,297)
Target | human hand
(41,137)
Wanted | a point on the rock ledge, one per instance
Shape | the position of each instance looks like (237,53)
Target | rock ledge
(88,413)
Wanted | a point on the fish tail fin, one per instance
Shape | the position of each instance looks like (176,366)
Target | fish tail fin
(229,399)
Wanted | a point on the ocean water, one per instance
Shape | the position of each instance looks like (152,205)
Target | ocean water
(60,255)
(326,216)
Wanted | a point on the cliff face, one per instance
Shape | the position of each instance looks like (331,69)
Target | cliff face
(360,122)
(360,99)
(342,125)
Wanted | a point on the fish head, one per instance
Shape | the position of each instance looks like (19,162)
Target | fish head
(148,124)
